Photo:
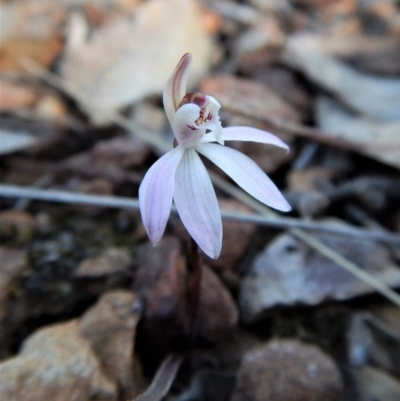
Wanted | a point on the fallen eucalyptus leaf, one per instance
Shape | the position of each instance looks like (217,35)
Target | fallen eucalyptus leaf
(375,139)
(15,96)
(374,97)
(288,272)
(30,29)
(132,58)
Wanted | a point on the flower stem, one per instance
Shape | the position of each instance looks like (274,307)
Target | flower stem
(193,289)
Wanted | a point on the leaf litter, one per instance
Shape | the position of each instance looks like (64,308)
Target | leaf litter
(322,75)
(131,57)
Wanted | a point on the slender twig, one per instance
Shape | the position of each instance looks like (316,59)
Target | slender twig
(317,245)
(304,131)
(51,195)
(54,195)
(365,220)
(349,266)
(161,147)
(147,135)
(163,379)
(292,222)
(45,180)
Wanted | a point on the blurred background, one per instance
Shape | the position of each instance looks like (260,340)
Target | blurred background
(89,309)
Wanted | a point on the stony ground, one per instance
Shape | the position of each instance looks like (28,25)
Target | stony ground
(298,307)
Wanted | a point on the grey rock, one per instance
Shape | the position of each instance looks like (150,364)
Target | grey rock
(112,260)
(287,370)
(110,328)
(56,363)
(377,385)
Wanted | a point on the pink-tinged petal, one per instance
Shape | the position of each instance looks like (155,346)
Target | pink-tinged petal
(197,204)
(175,89)
(156,192)
(184,126)
(246,174)
(252,135)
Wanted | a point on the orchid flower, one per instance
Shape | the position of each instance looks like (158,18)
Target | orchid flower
(180,175)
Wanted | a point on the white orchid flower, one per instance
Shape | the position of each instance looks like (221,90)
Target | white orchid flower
(180,174)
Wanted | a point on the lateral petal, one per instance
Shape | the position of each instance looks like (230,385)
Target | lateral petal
(252,135)
(197,204)
(156,192)
(246,174)
(175,88)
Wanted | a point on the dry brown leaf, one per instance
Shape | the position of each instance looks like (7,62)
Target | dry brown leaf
(30,29)
(375,97)
(13,96)
(50,107)
(252,99)
(132,58)
(308,278)
(266,35)
(40,50)
(374,54)
(375,139)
